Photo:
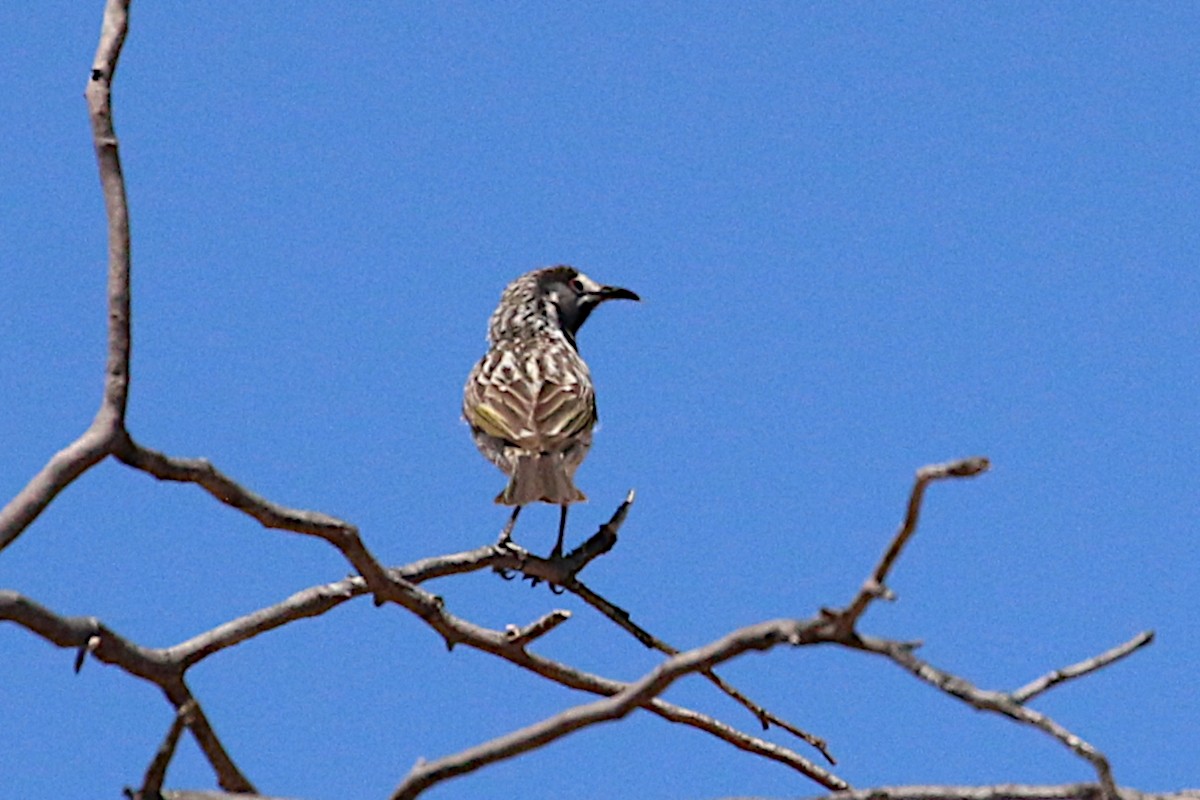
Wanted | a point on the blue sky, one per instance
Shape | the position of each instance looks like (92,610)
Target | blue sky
(868,237)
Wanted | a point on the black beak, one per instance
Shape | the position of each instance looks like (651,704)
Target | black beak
(616,293)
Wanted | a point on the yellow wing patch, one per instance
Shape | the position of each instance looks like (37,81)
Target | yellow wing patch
(491,422)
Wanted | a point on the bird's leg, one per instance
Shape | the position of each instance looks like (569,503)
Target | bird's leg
(505,542)
(506,535)
(562,529)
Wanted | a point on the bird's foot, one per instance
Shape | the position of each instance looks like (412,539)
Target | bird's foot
(506,546)
(534,581)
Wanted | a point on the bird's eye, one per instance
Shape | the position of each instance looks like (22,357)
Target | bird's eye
(577,285)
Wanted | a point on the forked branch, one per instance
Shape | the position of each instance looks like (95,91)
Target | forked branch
(756,637)
(876,585)
(97,442)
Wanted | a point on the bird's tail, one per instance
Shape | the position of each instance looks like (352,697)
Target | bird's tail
(540,477)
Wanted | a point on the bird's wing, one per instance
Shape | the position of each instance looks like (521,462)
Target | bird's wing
(531,399)
(564,409)
(490,405)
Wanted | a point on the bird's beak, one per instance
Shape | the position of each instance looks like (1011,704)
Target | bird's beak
(616,293)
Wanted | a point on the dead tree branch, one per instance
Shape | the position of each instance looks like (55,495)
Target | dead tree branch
(1036,687)
(1071,791)
(624,620)
(521,637)
(875,586)
(755,637)
(156,773)
(90,636)
(166,667)
(94,444)
(997,702)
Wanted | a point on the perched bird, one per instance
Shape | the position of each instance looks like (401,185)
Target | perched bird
(529,400)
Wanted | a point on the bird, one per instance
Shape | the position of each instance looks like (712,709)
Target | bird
(530,401)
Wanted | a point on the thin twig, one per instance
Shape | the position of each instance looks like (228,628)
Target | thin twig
(1036,687)
(521,637)
(755,637)
(229,776)
(876,585)
(156,773)
(64,467)
(160,666)
(340,534)
(623,619)
(997,702)
(1071,791)
(97,441)
(154,666)
(564,572)
(312,602)
(112,181)
(561,570)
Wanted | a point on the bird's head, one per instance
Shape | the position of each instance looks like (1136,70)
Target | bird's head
(552,298)
(573,296)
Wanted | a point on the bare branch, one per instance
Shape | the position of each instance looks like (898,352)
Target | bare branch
(112,182)
(875,586)
(229,777)
(202,473)
(338,533)
(1036,687)
(428,569)
(755,637)
(157,666)
(997,702)
(561,570)
(319,599)
(520,637)
(188,794)
(63,468)
(88,634)
(312,602)
(1073,791)
(97,441)
(156,773)
(623,619)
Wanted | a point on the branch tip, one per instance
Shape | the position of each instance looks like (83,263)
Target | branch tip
(1078,670)
(962,468)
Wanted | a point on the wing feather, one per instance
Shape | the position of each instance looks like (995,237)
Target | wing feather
(532,397)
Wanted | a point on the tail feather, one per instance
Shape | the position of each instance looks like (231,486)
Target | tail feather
(542,477)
